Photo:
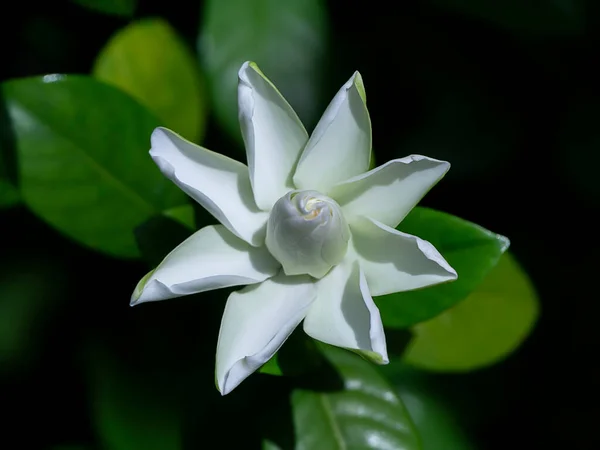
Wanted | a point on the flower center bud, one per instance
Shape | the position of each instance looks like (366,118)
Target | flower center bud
(307,233)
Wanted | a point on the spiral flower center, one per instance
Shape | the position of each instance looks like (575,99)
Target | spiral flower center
(307,233)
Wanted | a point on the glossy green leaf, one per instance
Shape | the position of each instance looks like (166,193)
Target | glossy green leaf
(9,196)
(546,17)
(286,40)
(434,417)
(470,249)
(365,413)
(482,329)
(117,7)
(84,167)
(149,61)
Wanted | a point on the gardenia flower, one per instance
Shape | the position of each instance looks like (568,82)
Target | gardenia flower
(305,226)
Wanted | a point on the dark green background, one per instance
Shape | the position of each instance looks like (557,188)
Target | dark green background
(509,94)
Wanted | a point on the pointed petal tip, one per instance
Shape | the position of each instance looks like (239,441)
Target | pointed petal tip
(158,134)
(222,391)
(434,255)
(244,68)
(357,81)
(139,289)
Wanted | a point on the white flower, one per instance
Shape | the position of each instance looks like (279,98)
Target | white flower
(305,226)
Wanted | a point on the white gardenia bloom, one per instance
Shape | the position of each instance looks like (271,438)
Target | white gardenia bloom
(306,226)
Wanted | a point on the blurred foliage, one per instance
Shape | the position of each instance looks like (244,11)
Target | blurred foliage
(481,329)
(506,91)
(286,39)
(30,292)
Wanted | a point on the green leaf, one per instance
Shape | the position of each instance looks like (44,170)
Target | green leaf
(482,329)
(470,249)
(286,40)
(434,417)
(183,214)
(148,60)
(271,367)
(269,445)
(364,414)
(82,150)
(9,196)
(537,17)
(117,7)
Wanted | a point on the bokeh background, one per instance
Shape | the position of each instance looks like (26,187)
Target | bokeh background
(507,91)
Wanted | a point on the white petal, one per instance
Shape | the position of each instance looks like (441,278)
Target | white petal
(388,192)
(211,258)
(340,145)
(220,184)
(345,315)
(394,261)
(256,322)
(273,134)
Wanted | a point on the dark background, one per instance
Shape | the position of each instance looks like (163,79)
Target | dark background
(512,100)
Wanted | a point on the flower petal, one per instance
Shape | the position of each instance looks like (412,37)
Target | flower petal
(345,315)
(388,192)
(211,258)
(340,145)
(273,134)
(220,184)
(394,261)
(256,322)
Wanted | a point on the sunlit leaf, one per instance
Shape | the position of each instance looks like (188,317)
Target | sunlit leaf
(482,329)
(149,61)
